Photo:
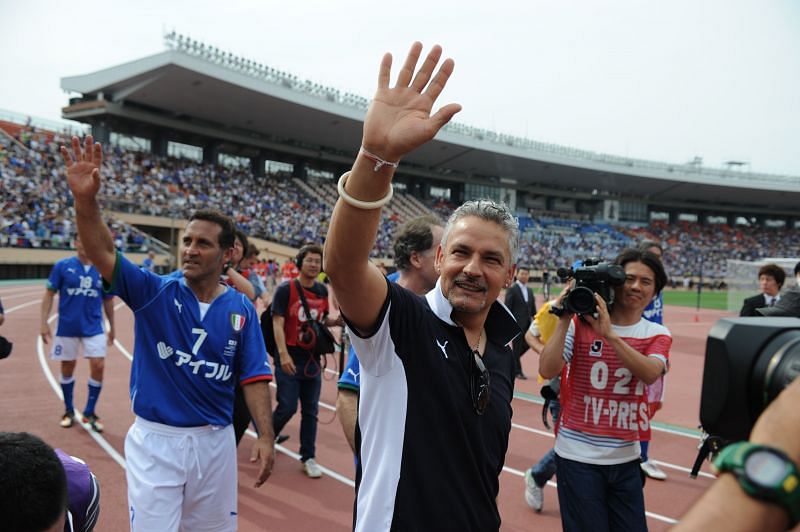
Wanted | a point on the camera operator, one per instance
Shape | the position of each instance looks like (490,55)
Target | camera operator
(612,355)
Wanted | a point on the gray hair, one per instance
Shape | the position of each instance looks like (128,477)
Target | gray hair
(492,211)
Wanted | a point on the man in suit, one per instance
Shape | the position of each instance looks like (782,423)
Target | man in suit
(770,280)
(521,303)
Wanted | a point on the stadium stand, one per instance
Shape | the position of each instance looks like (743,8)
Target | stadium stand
(37,211)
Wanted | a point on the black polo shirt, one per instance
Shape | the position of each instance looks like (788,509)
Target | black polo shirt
(427,460)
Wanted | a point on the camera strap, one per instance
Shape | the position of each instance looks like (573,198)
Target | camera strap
(302,299)
(711,446)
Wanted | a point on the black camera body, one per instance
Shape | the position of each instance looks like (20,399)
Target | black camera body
(594,277)
(749,361)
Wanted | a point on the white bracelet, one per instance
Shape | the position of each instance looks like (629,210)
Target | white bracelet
(359,204)
(377,160)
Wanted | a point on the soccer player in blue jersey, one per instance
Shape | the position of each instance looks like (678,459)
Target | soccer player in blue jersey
(414,250)
(195,338)
(80,324)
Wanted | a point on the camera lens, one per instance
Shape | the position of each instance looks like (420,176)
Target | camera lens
(784,365)
(581,300)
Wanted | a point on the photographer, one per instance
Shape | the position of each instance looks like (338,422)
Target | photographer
(298,373)
(612,355)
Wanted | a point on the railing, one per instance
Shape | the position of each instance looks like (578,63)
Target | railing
(56,126)
(186,45)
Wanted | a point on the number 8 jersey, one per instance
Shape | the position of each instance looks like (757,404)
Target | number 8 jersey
(603,405)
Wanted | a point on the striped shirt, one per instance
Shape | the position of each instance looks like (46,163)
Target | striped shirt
(604,406)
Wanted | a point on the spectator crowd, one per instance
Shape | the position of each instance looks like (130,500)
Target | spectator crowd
(37,212)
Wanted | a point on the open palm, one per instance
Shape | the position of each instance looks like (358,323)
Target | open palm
(83,167)
(399,118)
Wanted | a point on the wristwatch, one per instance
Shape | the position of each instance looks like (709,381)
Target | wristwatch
(764,473)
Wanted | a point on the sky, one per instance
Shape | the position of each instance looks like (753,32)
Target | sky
(665,81)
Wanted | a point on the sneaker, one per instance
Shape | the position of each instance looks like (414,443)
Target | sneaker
(280,438)
(534,495)
(93,422)
(67,420)
(652,470)
(311,468)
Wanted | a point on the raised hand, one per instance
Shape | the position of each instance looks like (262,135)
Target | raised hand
(399,118)
(83,167)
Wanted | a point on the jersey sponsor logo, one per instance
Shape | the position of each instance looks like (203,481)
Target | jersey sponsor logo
(180,306)
(354,374)
(204,368)
(230,349)
(85,288)
(71,270)
(443,346)
(164,351)
(596,350)
(237,322)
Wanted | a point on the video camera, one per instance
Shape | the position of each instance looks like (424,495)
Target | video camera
(749,361)
(590,278)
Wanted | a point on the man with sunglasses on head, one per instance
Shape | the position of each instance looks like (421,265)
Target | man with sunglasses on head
(612,355)
(437,374)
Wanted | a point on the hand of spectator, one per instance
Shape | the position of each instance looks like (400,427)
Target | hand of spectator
(399,118)
(83,167)
(45,332)
(287,364)
(264,452)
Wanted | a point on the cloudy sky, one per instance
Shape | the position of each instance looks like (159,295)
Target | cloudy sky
(666,81)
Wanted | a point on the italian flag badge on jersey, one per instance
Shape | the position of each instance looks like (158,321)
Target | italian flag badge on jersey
(237,322)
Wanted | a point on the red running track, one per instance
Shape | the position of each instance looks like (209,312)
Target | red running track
(290,501)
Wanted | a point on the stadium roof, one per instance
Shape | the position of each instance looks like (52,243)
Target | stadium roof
(201,90)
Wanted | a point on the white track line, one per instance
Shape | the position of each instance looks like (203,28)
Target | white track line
(107,447)
(333,474)
(26,289)
(23,305)
(24,294)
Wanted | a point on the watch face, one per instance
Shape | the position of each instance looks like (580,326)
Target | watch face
(766,469)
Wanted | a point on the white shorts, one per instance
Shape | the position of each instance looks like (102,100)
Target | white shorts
(67,347)
(181,478)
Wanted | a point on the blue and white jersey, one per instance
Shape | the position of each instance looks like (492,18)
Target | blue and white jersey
(185,366)
(655,310)
(80,298)
(350,377)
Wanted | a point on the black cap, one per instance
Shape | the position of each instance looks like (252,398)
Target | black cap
(787,305)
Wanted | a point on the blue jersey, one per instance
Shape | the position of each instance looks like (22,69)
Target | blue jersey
(655,310)
(185,367)
(80,298)
(352,370)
